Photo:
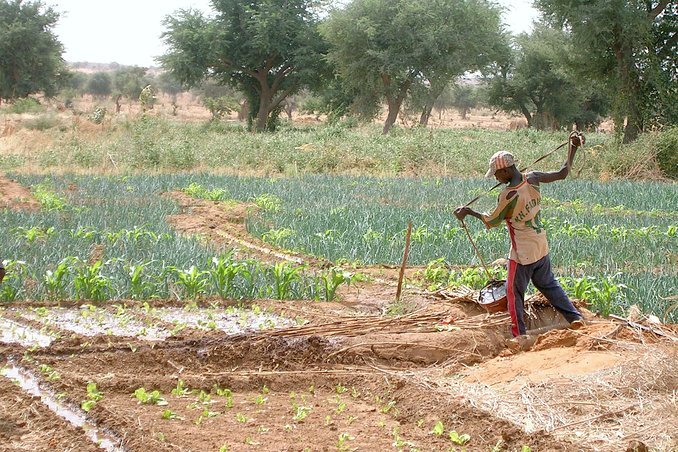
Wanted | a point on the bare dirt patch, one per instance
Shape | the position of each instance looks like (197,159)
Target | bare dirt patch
(13,195)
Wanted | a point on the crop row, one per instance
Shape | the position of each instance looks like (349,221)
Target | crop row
(113,279)
(600,231)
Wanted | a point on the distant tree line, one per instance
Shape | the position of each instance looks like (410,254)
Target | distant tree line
(584,60)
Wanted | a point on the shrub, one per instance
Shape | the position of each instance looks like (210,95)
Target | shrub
(25,105)
(666,146)
(42,122)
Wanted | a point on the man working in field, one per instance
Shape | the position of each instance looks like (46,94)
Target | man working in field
(519,203)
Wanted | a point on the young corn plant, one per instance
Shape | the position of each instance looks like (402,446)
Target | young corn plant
(332,279)
(284,276)
(194,281)
(222,273)
(56,282)
(89,283)
(13,284)
(140,287)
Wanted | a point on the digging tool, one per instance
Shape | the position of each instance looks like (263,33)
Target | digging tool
(493,296)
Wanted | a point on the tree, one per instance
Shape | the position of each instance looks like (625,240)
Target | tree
(30,54)
(129,81)
(465,98)
(99,84)
(539,81)
(630,46)
(387,46)
(267,49)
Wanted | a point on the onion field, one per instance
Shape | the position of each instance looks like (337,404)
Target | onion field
(614,243)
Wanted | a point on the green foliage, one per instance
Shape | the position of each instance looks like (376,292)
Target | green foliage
(220,106)
(629,48)
(267,49)
(100,84)
(197,191)
(30,53)
(667,151)
(539,82)
(98,115)
(25,105)
(149,398)
(93,396)
(378,55)
(129,81)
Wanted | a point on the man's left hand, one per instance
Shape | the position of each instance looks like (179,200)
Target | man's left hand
(461,213)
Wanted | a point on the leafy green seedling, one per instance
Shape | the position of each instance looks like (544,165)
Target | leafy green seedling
(149,398)
(170,415)
(438,429)
(462,439)
(340,389)
(241,418)
(180,389)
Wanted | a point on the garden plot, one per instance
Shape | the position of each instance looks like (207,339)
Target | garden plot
(230,320)
(89,320)
(13,332)
(240,393)
(149,324)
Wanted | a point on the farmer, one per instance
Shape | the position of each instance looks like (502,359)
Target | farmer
(519,203)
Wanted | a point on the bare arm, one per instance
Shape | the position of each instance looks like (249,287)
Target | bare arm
(536,177)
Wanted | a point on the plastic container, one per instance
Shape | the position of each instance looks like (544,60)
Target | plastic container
(493,298)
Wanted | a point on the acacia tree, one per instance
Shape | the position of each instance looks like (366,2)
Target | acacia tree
(387,46)
(267,49)
(630,46)
(539,81)
(30,54)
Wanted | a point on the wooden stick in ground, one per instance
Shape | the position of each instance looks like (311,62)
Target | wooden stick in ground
(402,267)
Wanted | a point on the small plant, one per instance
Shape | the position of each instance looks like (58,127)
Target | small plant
(241,418)
(89,283)
(388,407)
(268,202)
(193,280)
(93,396)
(170,415)
(180,390)
(458,439)
(342,443)
(149,398)
(438,429)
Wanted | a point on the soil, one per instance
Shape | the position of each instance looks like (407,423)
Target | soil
(352,377)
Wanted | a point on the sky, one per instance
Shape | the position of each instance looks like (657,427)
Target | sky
(128,31)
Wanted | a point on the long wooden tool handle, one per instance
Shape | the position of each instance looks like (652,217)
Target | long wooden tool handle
(521,170)
(405,254)
(482,261)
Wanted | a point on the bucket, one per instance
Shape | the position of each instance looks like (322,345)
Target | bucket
(492,297)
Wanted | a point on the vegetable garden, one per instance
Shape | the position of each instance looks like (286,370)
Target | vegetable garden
(220,312)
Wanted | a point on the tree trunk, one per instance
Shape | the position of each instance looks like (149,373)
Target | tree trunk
(393,110)
(437,88)
(265,98)
(394,101)
(526,113)
(426,114)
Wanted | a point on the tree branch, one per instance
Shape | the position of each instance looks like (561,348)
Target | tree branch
(657,10)
(281,97)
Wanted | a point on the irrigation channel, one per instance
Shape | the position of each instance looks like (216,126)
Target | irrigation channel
(161,375)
